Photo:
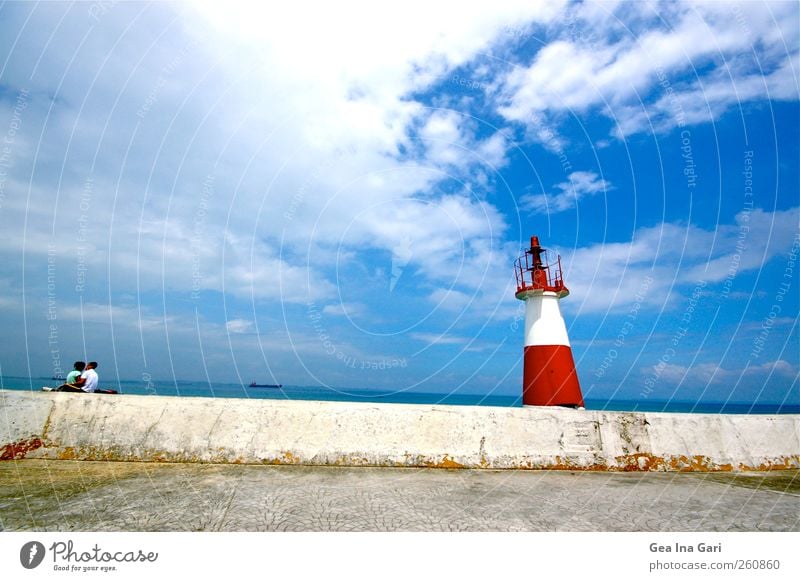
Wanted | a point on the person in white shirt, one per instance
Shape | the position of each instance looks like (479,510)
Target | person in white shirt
(89,377)
(76,380)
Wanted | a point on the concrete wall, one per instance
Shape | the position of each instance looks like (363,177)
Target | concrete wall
(172,429)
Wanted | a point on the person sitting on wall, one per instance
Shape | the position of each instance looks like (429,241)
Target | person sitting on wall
(73,381)
(90,378)
(74,376)
(86,383)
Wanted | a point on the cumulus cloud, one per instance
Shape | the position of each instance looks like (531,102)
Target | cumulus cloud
(755,238)
(660,260)
(195,155)
(440,339)
(708,373)
(344,309)
(231,148)
(113,315)
(647,65)
(579,184)
(192,153)
(329,136)
(239,326)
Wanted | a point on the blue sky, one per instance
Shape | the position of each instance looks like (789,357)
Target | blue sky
(336,195)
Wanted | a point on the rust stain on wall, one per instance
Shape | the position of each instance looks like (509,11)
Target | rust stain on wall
(19,449)
(789,463)
(638,462)
(445,462)
(286,458)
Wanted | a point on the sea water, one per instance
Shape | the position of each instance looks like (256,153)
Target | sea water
(324,393)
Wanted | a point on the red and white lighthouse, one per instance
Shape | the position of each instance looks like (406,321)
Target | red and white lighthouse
(549,376)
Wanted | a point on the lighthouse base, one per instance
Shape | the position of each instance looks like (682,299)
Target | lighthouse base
(549,377)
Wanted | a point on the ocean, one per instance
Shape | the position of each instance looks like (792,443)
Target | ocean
(323,393)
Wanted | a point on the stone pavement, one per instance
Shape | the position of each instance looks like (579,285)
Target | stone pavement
(133,496)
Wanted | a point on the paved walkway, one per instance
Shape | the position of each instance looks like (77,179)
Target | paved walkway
(119,496)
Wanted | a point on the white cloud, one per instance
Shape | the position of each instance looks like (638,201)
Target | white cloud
(660,260)
(355,92)
(450,299)
(322,153)
(440,339)
(287,129)
(665,64)
(438,238)
(674,374)
(114,315)
(580,184)
(700,103)
(239,326)
(298,140)
(442,136)
(252,270)
(451,142)
(344,309)
(493,151)
(756,238)
(712,373)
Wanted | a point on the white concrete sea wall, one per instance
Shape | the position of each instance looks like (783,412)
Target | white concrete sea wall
(186,429)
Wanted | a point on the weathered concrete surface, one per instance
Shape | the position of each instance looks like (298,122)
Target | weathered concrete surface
(170,429)
(49,495)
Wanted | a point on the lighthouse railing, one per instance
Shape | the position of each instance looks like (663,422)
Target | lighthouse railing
(550,275)
(558,277)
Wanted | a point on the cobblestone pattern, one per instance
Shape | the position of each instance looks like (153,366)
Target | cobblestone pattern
(116,496)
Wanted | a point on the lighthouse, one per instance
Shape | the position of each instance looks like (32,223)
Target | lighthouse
(549,377)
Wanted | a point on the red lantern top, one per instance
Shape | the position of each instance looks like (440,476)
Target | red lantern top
(535,273)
